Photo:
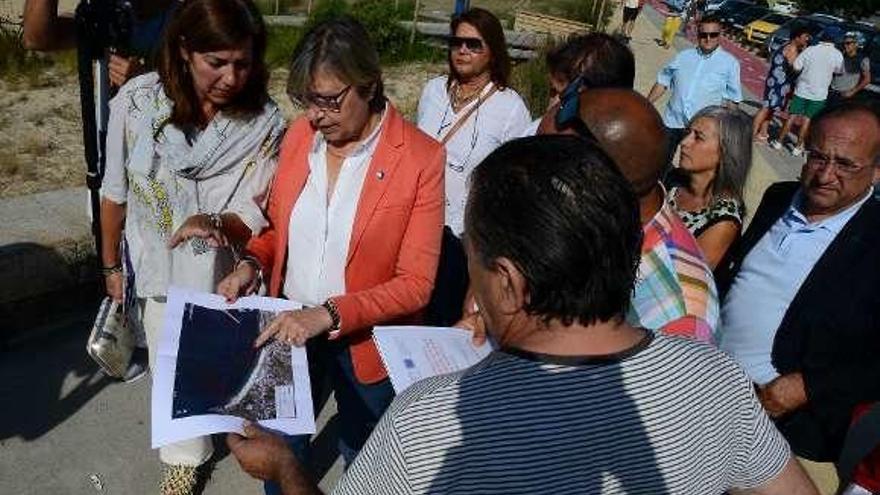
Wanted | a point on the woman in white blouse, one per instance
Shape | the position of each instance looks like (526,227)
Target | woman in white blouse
(190,153)
(471,111)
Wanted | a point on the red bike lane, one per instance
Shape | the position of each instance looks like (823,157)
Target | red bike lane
(753,69)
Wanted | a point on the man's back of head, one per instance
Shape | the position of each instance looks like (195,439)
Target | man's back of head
(557,209)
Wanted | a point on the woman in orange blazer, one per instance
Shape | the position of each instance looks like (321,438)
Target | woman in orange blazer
(356,215)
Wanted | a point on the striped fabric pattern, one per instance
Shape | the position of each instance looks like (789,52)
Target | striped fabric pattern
(675,292)
(672,416)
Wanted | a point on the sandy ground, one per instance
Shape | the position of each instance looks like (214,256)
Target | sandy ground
(41,134)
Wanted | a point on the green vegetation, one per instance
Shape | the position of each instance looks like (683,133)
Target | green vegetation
(529,79)
(382,19)
(379,17)
(280,43)
(20,67)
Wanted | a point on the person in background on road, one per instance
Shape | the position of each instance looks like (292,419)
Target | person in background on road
(715,158)
(190,154)
(856,73)
(355,221)
(471,111)
(779,82)
(631,10)
(45,30)
(675,11)
(697,77)
(595,60)
(575,400)
(801,305)
(816,66)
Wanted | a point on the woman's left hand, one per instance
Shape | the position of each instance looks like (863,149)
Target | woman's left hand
(199,225)
(296,327)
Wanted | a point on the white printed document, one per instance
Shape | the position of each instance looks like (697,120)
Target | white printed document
(413,353)
(209,377)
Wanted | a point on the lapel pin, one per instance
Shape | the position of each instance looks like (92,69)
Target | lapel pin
(380,174)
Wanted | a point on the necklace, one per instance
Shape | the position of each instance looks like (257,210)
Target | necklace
(459,100)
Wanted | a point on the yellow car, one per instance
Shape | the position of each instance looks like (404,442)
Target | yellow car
(757,31)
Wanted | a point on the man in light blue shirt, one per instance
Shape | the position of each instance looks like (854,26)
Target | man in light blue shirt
(698,77)
(801,308)
(768,281)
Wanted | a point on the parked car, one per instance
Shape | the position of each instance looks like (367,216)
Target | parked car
(714,6)
(814,22)
(731,7)
(784,7)
(756,32)
(739,20)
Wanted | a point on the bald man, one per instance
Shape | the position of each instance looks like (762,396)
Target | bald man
(675,293)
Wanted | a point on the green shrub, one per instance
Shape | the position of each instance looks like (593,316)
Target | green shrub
(529,78)
(22,67)
(382,22)
(324,10)
(588,11)
(280,43)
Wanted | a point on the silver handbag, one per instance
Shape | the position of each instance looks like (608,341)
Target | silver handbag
(111,342)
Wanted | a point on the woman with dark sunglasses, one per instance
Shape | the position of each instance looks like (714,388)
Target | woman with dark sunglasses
(471,111)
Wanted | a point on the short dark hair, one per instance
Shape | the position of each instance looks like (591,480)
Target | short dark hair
(800,31)
(490,29)
(206,26)
(342,47)
(560,210)
(710,19)
(843,108)
(601,60)
(607,63)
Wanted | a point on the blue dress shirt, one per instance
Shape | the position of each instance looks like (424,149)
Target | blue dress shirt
(697,80)
(770,277)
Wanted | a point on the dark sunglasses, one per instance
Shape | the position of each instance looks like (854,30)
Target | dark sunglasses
(705,35)
(472,44)
(568,115)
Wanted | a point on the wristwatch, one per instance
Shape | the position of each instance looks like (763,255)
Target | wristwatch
(331,308)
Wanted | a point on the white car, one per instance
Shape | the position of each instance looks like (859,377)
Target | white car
(784,7)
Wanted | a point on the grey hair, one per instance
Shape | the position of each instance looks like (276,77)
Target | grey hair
(342,47)
(735,149)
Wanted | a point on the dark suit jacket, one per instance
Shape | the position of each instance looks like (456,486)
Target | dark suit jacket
(831,331)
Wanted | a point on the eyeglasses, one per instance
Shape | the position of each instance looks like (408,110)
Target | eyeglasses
(474,45)
(331,103)
(843,167)
(705,35)
(849,42)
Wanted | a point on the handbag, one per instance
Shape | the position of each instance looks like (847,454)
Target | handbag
(111,342)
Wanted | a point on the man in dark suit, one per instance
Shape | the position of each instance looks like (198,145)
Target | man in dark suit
(801,292)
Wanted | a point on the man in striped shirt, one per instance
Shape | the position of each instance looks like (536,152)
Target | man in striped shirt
(575,400)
